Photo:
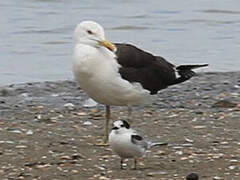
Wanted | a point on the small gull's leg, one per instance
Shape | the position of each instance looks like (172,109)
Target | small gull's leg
(135,163)
(121,163)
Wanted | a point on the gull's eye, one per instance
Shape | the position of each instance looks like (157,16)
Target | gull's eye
(89,32)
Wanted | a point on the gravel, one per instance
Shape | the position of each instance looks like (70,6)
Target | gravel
(47,132)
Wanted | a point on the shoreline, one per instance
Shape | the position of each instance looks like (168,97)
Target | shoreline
(55,93)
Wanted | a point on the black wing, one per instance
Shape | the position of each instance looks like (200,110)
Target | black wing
(153,72)
(138,140)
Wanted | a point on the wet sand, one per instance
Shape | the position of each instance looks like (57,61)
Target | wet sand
(46,133)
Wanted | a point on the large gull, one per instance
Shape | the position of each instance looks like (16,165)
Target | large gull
(120,74)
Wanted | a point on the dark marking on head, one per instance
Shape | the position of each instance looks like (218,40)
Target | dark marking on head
(192,176)
(125,124)
(115,128)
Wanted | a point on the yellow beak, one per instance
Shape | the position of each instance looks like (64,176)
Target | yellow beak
(107,44)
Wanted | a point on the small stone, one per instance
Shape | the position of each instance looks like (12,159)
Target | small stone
(199,127)
(179,152)
(21,147)
(232,167)
(68,105)
(43,165)
(55,95)
(103,178)
(75,171)
(77,156)
(224,104)
(152,174)
(217,178)
(39,116)
(66,157)
(177,147)
(5,92)
(184,158)
(224,143)
(29,132)
(82,114)
(8,142)
(160,152)
(187,145)
(87,123)
(16,131)
(24,94)
(101,168)
(192,176)
(90,103)
(189,140)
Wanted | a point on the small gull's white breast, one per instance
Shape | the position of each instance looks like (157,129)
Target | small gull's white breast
(122,145)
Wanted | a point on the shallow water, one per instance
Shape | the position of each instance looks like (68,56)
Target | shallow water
(36,35)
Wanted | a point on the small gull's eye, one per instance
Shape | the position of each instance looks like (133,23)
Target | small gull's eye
(89,32)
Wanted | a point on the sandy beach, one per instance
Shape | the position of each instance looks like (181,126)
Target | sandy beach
(47,133)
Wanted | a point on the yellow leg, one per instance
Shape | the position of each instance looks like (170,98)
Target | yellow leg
(107,122)
(129,119)
(108,116)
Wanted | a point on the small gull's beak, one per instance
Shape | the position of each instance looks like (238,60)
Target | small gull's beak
(108,45)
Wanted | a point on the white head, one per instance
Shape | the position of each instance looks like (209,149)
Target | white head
(120,125)
(92,34)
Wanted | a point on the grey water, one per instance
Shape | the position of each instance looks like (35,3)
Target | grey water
(36,35)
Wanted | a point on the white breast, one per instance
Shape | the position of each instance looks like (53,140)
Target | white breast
(96,71)
(121,144)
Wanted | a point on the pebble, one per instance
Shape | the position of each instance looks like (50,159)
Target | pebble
(199,127)
(75,171)
(39,116)
(8,142)
(21,147)
(81,114)
(192,176)
(224,104)
(25,95)
(68,105)
(232,167)
(103,178)
(217,178)
(16,131)
(66,157)
(89,103)
(29,132)
(179,152)
(157,173)
(87,123)
(189,140)
(187,145)
(43,165)
(195,124)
